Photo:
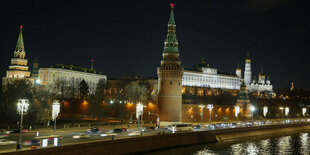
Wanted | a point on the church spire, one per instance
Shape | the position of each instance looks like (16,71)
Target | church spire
(20,42)
(171,43)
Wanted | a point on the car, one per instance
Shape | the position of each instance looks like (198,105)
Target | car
(7,142)
(180,127)
(81,136)
(134,133)
(197,126)
(94,130)
(118,130)
(31,142)
(107,134)
(148,128)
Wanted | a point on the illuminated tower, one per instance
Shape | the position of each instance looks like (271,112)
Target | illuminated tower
(247,70)
(35,69)
(18,68)
(238,72)
(170,75)
(243,101)
(261,77)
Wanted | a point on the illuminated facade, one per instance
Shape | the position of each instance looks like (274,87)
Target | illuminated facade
(262,85)
(170,75)
(243,102)
(48,76)
(18,68)
(202,75)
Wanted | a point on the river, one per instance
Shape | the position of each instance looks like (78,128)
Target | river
(298,143)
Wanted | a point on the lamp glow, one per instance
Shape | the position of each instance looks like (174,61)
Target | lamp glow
(265,111)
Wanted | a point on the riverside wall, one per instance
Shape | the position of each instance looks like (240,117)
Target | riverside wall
(149,143)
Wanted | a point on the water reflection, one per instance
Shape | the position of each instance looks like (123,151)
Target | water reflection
(293,144)
(304,140)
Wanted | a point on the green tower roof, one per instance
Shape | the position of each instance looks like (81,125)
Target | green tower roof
(171,42)
(20,41)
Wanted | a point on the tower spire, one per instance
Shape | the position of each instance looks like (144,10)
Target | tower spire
(92,64)
(20,42)
(171,42)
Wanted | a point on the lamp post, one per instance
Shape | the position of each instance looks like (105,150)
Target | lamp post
(139,111)
(304,110)
(252,108)
(281,108)
(201,112)
(237,110)
(22,107)
(157,118)
(210,107)
(55,112)
(265,111)
(287,110)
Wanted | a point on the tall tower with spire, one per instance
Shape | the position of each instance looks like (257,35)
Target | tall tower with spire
(170,74)
(247,70)
(18,68)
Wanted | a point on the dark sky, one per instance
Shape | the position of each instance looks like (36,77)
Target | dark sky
(126,37)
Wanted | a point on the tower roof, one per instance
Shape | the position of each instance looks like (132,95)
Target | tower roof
(248,55)
(171,42)
(20,41)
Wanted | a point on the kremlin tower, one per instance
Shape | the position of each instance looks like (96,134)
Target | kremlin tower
(247,70)
(18,68)
(170,75)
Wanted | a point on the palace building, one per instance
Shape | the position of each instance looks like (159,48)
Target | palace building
(49,76)
(202,75)
(19,64)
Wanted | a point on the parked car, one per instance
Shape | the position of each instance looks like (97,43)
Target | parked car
(118,130)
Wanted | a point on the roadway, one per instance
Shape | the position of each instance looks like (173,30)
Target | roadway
(85,137)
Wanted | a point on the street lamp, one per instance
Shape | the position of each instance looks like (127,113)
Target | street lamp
(210,107)
(281,108)
(22,107)
(287,110)
(265,111)
(304,110)
(201,112)
(55,112)
(139,111)
(252,108)
(237,110)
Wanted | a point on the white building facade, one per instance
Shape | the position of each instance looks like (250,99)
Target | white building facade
(48,76)
(206,76)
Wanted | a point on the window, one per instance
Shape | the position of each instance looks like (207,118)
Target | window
(170,82)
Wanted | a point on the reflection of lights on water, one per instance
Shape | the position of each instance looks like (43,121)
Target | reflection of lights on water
(284,144)
(237,148)
(265,146)
(252,149)
(205,152)
(304,138)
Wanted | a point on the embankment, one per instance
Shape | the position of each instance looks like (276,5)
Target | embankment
(149,143)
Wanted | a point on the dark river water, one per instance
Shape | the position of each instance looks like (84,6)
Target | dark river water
(298,143)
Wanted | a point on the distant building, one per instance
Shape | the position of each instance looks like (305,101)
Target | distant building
(48,76)
(262,85)
(202,75)
(18,68)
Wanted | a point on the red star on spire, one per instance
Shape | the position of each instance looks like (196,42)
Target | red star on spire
(21,26)
(172,5)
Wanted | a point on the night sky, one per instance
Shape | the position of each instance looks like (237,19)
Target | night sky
(126,38)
